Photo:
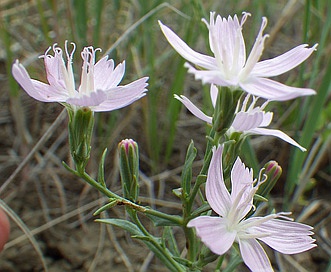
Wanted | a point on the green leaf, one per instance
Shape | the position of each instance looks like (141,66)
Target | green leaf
(202,209)
(260,198)
(183,261)
(162,221)
(234,262)
(160,254)
(150,239)
(153,243)
(101,171)
(206,257)
(201,179)
(169,238)
(123,224)
(187,170)
(112,203)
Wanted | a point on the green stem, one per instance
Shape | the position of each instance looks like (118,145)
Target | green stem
(203,171)
(188,203)
(192,244)
(165,253)
(177,220)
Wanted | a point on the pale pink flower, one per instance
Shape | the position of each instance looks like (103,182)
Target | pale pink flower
(219,233)
(98,90)
(229,65)
(249,120)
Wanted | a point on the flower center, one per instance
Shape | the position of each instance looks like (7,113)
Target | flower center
(87,78)
(69,74)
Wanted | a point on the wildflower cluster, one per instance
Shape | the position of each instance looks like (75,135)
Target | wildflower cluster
(237,84)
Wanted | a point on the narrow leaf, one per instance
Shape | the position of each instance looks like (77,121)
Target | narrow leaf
(123,224)
(101,171)
(187,170)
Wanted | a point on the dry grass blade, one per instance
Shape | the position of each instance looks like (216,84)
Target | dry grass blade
(27,232)
(37,146)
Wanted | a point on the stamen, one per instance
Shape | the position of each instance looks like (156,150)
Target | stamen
(244,18)
(69,56)
(254,100)
(87,78)
(263,25)
(256,51)
(57,50)
(236,211)
(83,86)
(46,53)
(212,15)
(245,235)
(244,106)
(256,221)
(236,54)
(265,104)
(238,104)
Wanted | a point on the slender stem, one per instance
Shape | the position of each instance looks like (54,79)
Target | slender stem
(188,204)
(192,244)
(203,171)
(134,217)
(165,253)
(176,219)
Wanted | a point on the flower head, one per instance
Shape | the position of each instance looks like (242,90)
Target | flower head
(99,88)
(219,233)
(248,120)
(129,168)
(230,67)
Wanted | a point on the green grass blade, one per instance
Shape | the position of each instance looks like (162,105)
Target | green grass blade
(308,131)
(312,105)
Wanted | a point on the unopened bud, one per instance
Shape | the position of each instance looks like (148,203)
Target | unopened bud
(273,172)
(129,168)
(225,109)
(81,122)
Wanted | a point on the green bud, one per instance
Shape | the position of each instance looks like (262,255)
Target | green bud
(273,172)
(81,122)
(129,168)
(225,109)
(178,192)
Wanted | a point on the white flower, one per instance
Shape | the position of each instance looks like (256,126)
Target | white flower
(229,65)
(219,233)
(98,90)
(251,120)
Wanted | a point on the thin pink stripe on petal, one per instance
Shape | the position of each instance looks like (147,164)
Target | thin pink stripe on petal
(276,133)
(103,70)
(241,177)
(254,256)
(241,189)
(283,63)
(289,244)
(256,51)
(210,76)
(122,96)
(193,109)
(105,76)
(217,194)
(49,92)
(245,121)
(267,118)
(286,237)
(36,89)
(185,51)
(213,94)
(273,90)
(213,233)
(90,100)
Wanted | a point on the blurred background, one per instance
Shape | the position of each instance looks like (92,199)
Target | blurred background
(51,211)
